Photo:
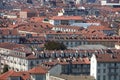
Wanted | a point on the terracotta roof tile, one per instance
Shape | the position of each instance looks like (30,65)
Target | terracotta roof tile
(15,46)
(108,57)
(6,75)
(38,70)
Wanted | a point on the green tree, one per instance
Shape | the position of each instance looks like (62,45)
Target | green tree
(5,69)
(52,45)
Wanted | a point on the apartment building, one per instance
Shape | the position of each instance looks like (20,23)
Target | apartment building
(80,11)
(106,30)
(9,35)
(18,57)
(21,58)
(78,66)
(52,35)
(65,20)
(73,66)
(27,14)
(91,36)
(73,40)
(105,66)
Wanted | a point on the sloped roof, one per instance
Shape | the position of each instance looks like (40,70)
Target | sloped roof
(38,70)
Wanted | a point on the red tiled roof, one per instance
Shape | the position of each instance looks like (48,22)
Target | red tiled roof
(36,27)
(37,19)
(99,27)
(108,57)
(6,75)
(50,63)
(81,61)
(8,31)
(24,75)
(15,46)
(38,70)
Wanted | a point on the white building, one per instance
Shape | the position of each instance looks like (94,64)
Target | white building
(105,66)
(18,57)
(10,16)
(81,1)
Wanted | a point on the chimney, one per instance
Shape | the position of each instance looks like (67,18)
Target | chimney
(34,53)
(113,56)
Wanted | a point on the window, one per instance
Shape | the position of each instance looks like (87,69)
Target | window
(115,77)
(111,77)
(104,77)
(98,70)
(79,43)
(74,66)
(119,77)
(65,22)
(98,64)
(109,64)
(98,78)
(104,70)
(31,63)
(112,70)
(104,64)
(115,64)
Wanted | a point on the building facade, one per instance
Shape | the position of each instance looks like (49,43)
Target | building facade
(65,20)
(18,59)
(9,35)
(105,67)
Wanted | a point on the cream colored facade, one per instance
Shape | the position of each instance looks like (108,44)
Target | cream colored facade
(23,14)
(17,60)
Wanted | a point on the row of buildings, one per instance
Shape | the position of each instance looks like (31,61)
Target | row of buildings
(89,30)
(103,64)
